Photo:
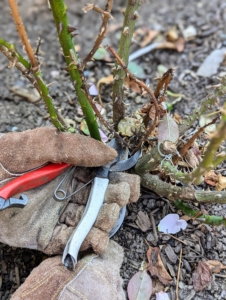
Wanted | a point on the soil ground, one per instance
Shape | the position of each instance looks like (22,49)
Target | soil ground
(18,114)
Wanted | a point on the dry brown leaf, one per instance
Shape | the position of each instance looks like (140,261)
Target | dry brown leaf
(151,34)
(152,113)
(143,221)
(178,45)
(221,184)
(186,218)
(177,118)
(202,276)
(191,158)
(131,84)
(211,178)
(156,267)
(215,266)
(107,80)
(157,286)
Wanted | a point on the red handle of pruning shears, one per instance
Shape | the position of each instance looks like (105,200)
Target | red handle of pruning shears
(32,179)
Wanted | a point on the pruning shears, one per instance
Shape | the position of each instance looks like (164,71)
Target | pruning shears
(95,201)
(27,182)
(100,183)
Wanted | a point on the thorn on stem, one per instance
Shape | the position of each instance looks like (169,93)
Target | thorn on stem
(71,28)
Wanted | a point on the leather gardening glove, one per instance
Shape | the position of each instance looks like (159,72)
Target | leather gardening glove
(44,223)
(94,278)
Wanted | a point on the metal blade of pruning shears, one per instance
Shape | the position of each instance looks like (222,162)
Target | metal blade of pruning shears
(94,203)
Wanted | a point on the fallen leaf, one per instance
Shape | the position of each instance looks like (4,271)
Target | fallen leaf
(143,221)
(102,54)
(177,45)
(25,93)
(128,126)
(172,224)
(192,158)
(161,69)
(177,118)
(162,296)
(212,62)
(221,184)
(157,286)
(136,69)
(156,267)
(211,178)
(201,277)
(140,286)
(106,80)
(151,34)
(131,84)
(215,265)
(168,130)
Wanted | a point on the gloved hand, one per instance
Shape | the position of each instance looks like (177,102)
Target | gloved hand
(94,278)
(45,224)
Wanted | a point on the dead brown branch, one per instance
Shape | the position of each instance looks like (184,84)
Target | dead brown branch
(147,89)
(22,33)
(159,93)
(103,29)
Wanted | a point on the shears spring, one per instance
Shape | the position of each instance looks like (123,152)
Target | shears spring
(64,196)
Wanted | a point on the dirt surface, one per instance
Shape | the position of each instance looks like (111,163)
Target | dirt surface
(17,114)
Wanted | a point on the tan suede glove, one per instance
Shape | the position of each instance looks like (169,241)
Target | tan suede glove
(94,278)
(44,223)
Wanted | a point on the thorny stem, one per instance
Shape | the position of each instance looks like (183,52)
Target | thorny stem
(215,142)
(106,16)
(36,80)
(130,16)
(147,89)
(105,123)
(205,106)
(22,32)
(148,161)
(59,11)
(17,56)
(185,193)
(207,219)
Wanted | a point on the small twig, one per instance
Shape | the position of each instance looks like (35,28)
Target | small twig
(154,227)
(106,16)
(133,77)
(220,275)
(22,33)
(177,239)
(159,93)
(38,47)
(104,122)
(130,17)
(178,275)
